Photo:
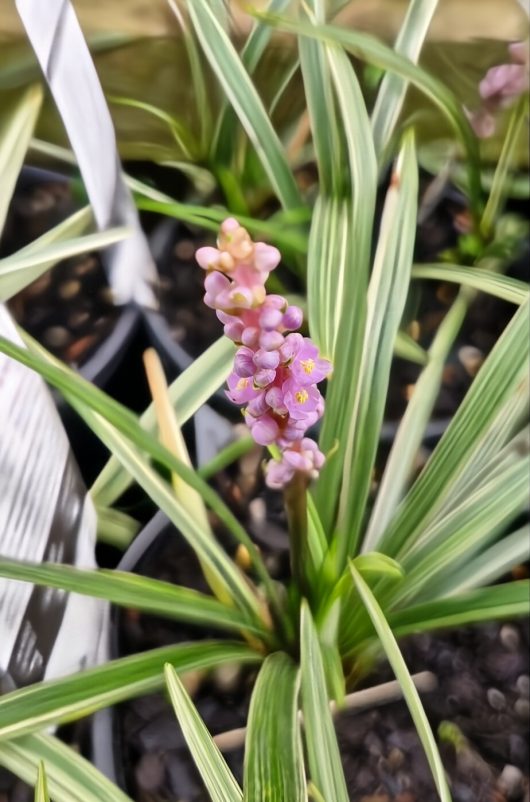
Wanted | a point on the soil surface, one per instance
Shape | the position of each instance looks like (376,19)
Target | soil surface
(69,309)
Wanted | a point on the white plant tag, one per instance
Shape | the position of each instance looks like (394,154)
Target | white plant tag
(57,39)
(45,516)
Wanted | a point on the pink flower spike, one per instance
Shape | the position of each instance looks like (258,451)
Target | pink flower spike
(244,363)
(266,257)
(307,367)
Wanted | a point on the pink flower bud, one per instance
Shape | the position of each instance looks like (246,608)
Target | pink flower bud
(244,362)
(266,257)
(270,340)
(267,360)
(264,430)
(292,318)
(270,318)
(250,336)
(264,377)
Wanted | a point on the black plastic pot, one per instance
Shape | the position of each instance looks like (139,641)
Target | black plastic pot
(105,739)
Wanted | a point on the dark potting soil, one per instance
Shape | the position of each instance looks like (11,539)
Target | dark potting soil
(483,693)
(69,309)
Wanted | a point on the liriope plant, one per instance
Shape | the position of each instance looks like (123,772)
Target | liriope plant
(367,567)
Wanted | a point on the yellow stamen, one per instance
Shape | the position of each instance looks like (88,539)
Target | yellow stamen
(308,365)
(301,396)
(242,384)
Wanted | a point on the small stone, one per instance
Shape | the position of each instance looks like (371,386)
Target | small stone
(106,295)
(395,759)
(226,678)
(518,749)
(375,798)
(78,318)
(511,782)
(496,699)
(471,358)
(373,744)
(56,337)
(405,796)
(258,510)
(510,638)
(522,709)
(69,289)
(88,264)
(185,250)
(149,772)
(523,686)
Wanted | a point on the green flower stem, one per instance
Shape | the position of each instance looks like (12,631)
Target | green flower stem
(498,188)
(295,498)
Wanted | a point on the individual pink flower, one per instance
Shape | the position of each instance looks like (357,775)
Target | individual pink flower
(241,390)
(307,366)
(300,399)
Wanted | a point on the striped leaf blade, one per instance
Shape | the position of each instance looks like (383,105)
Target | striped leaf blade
(59,701)
(15,136)
(41,788)
(23,267)
(387,295)
(501,378)
(274,767)
(325,767)
(505,287)
(338,266)
(217,777)
(70,777)
(391,94)
(410,693)
(130,590)
(242,94)
(507,601)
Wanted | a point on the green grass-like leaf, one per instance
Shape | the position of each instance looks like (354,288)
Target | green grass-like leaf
(15,136)
(274,767)
(131,590)
(387,295)
(505,287)
(238,87)
(70,777)
(217,777)
(41,788)
(325,767)
(501,378)
(19,270)
(58,701)
(395,658)
(393,88)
